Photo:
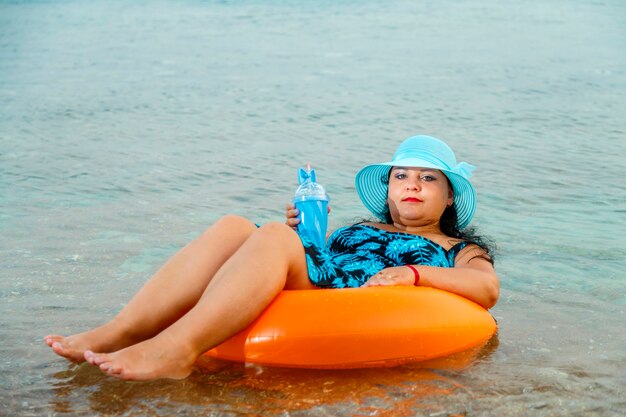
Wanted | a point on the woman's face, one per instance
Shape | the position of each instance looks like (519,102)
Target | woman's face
(418,196)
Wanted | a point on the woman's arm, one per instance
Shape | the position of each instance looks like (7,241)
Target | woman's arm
(472,277)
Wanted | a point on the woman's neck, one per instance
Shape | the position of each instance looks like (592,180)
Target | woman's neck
(423,230)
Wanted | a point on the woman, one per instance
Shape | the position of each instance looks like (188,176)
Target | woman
(219,283)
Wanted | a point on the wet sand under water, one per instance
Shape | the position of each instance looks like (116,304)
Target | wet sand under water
(238,389)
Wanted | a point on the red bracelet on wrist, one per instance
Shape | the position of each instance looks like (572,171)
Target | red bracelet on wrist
(416,273)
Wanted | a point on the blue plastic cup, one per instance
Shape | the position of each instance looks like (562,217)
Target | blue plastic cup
(313,218)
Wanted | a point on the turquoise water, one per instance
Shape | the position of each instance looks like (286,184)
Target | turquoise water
(126,129)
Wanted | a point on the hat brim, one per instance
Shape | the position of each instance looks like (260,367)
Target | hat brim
(372,187)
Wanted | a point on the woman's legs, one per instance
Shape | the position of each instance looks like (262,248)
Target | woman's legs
(167,296)
(269,261)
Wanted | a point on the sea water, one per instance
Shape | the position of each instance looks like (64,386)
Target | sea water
(126,128)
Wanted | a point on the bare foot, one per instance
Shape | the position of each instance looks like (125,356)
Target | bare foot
(159,357)
(103,339)
(66,347)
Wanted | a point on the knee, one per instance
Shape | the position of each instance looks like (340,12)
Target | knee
(233,222)
(277,230)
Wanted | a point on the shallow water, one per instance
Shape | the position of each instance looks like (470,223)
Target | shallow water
(125,129)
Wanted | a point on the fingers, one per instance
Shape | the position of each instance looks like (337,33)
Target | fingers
(388,276)
(292,215)
(377,280)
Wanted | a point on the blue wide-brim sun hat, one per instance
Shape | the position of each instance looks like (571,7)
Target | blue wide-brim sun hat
(419,152)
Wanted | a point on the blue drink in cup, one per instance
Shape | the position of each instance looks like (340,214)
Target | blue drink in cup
(312,202)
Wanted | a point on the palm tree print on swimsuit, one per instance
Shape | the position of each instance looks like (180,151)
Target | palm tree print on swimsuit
(355,253)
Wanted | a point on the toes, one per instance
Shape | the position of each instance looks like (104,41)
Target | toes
(89,356)
(95,358)
(105,363)
(50,339)
(111,369)
(58,348)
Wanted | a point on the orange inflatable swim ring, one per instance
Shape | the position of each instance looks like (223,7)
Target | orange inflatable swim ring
(359,327)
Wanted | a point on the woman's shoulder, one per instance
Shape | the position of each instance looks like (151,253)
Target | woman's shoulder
(465,251)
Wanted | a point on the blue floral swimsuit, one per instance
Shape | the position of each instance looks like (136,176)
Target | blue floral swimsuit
(354,253)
